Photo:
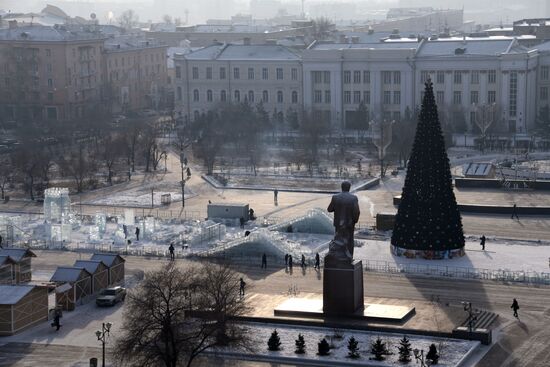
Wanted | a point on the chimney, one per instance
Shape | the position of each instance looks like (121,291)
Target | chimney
(355,39)
(12,24)
(246,41)
(343,38)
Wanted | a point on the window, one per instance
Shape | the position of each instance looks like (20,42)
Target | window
(396,116)
(51,112)
(223,96)
(250,73)
(397,77)
(396,97)
(440,97)
(387,97)
(474,77)
(316,77)
(357,97)
(251,96)
(179,94)
(49,68)
(196,95)
(178,72)
(209,96)
(237,95)
(544,93)
(356,77)
(366,97)
(265,74)
(458,77)
(474,97)
(209,73)
(196,114)
(327,96)
(236,73)
(326,77)
(279,96)
(492,76)
(265,96)
(294,97)
(48,52)
(424,76)
(472,118)
(50,96)
(50,83)
(440,77)
(195,72)
(347,77)
(222,73)
(491,96)
(317,96)
(386,77)
(544,72)
(457,97)
(347,97)
(294,74)
(513,101)
(279,73)
(366,77)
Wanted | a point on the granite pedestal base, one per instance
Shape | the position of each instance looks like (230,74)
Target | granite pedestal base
(343,289)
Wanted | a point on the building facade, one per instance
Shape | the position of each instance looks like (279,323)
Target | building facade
(387,77)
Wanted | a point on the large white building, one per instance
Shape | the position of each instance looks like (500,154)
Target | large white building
(387,76)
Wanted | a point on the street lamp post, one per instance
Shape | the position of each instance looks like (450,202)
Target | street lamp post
(184,168)
(419,356)
(472,316)
(101,336)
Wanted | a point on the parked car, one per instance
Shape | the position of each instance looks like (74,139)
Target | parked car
(118,119)
(110,296)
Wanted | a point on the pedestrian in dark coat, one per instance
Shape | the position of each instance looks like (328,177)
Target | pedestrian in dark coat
(171,249)
(290,261)
(303,263)
(317,261)
(264,261)
(241,221)
(1,239)
(482,242)
(515,307)
(137,233)
(125,230)
(242,284)
(514,212)
(56,319)
(286,259)
(275,197)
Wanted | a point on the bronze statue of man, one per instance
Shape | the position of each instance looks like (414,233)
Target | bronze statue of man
(346,213)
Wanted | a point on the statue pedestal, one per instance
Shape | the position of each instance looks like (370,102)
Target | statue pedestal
(343,288)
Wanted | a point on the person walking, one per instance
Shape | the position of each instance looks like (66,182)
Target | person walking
(1,239)
(251,214)
(242,284)
(275,197)
(241,221)
(137,233)
(290,261)
(286,259)
(303,263)
(514,212)
(264,261)
(171,249)
(56,319)
(125,230)
(515,307)
(317,261)
(482,242)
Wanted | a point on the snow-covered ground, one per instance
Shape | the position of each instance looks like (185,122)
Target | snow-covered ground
(452,350)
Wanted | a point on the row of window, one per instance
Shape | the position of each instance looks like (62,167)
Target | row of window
(251,73)
(248,97)
(457,97)
(158,57)
(457,76)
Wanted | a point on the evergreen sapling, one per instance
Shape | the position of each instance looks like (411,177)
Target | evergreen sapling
(274,342)
(404,350)
(323,348)
(379,350)
(300,345)
(353,348)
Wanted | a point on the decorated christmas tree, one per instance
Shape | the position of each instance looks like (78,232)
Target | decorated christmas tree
(428,218)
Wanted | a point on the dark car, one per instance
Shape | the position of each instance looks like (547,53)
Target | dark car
(110,296)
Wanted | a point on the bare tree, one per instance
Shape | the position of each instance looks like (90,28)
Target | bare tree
(110,152)
(6,176)
(128,19)
(79,166)
(162,324)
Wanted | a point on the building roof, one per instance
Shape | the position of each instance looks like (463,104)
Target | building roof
(130,42)
(5,259)
(17,254)
(40,33)
(543,47)
(486,47)
(12,294)
(108,259)
(365,46)
(90,265)
(243,52)
(68,274)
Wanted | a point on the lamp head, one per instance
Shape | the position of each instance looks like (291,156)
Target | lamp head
(108,326)
(98,334)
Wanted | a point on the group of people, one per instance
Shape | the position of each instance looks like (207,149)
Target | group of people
(125,230)
(289,261)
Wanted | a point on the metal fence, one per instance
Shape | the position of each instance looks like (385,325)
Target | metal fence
(530,277)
